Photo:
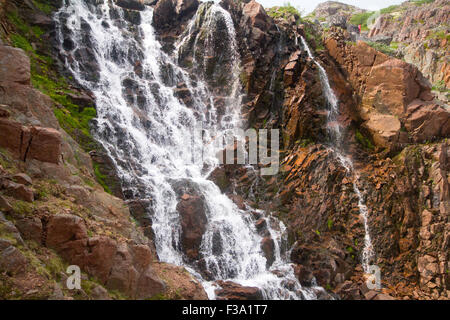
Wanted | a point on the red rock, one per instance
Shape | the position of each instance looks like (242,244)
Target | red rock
(258,17)
(64,228)
(268,247)
(19,191)
(14,65)
(45,145)
(232,291)
(22,178)
(12,260)
(4,205)
(30,228)
(193,224)
(131,4)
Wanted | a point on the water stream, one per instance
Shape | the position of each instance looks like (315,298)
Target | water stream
(148,132)
(335,132)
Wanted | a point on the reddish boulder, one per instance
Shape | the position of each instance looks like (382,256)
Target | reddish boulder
(45,145)
(131,4)
(63,228)
(167,11)
(232,291)
(193,224)
(12,260)
(30,228)
(14,65)
(268,247)
(19,191)
(257,16)
(22,178)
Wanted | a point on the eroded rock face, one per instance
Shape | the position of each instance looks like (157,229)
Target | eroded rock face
(391,92)
(418,28)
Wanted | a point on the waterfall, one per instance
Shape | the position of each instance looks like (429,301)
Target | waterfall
(335,132)
(148,132)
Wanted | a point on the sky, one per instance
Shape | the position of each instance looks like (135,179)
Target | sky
(307,6)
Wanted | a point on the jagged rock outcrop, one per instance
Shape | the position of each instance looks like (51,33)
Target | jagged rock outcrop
(391,92)
(333,13)
(420,33)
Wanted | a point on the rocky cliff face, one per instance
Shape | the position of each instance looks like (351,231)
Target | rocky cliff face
(422,36)
(55,210)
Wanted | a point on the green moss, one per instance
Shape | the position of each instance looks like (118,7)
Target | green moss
(284,12)
(159,296)
(22,208)
(44,77)
(101,178)
(390,51)
(362,140)
(390,9)
(45,6)
(361,19)
(440,87)
(21,42)
(421,2)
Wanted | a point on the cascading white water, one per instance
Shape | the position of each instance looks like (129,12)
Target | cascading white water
(335,131)
(148,133)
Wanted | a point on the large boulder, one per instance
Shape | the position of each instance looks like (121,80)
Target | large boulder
(232,291)
(43,144)
(63,228)
(193,224)
(131,4)
(14,65)
(168,11)
(394,95)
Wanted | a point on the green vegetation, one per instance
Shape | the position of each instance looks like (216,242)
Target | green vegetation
(45,6)
(330,224)
(440,34)
(362,140)
(361,19)
(421,2)
(101,178)
(44,77)
(440,87)
(285,11)
(389,9)
(389,50)
(75,120)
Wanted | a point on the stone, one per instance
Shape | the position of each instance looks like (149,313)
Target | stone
(167,11)
(45,145)
(100,293)
(14,65)
(268,247)
(64,228)
(257,16)
(232,291)
(23,179)
(304,275)
(12,261)
(193,225)
(131,4)
(19,191)
(5,205)
(30,228)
